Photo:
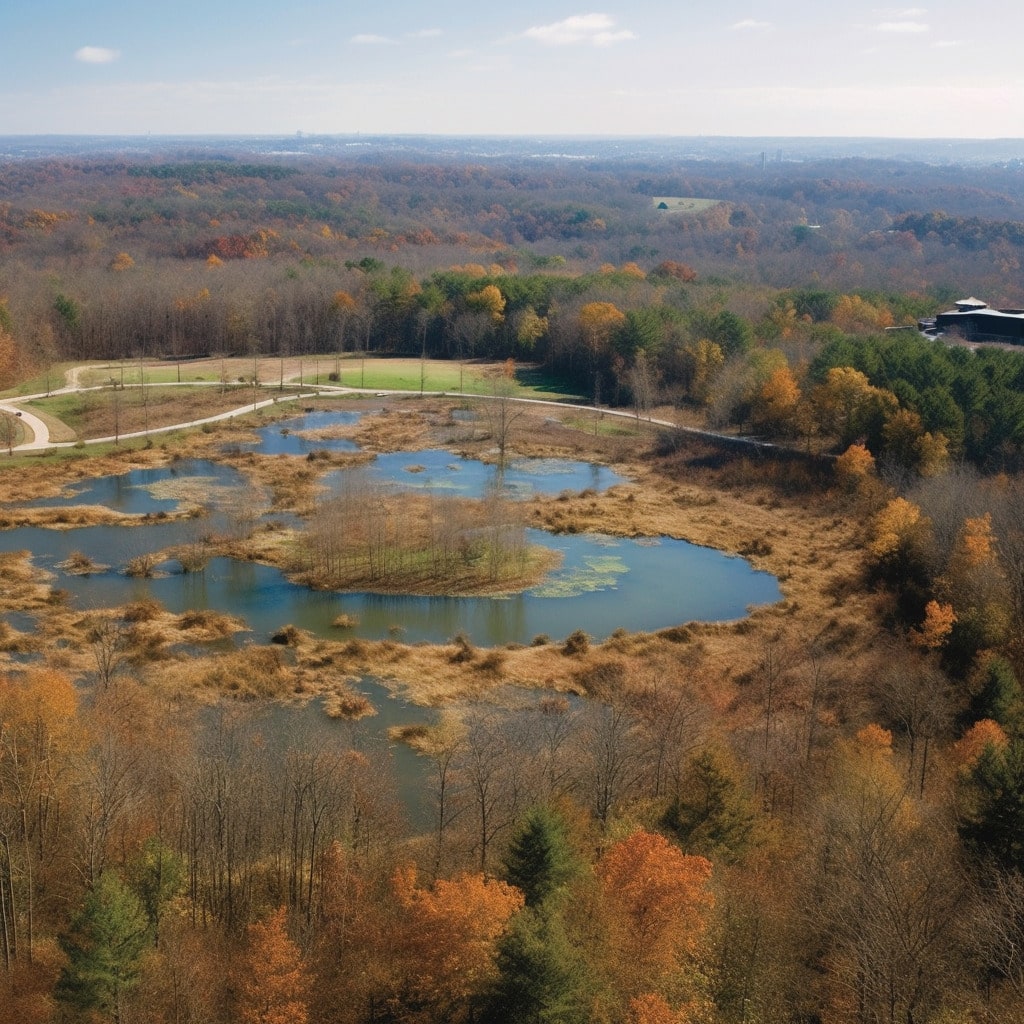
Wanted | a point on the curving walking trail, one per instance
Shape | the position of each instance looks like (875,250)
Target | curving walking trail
(40,440)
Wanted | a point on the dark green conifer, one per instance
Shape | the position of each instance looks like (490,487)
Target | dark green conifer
(104,949)
(540,860)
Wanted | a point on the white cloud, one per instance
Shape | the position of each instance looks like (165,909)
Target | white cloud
(424,33)
(946,44)
(96,54)
(902,27)
(585,29)
(368,39)
(748,24)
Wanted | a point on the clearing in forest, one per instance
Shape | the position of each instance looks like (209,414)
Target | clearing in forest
(683,204)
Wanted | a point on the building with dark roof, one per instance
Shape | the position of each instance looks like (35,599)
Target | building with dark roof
(975,320)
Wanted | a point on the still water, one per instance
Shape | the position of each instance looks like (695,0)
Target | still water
(602,584)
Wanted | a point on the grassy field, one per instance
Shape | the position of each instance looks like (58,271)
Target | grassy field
(40,383)
(386,374)
(683,204)
(471,378)
(108,412)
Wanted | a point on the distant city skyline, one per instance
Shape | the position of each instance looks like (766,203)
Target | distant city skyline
(788,68)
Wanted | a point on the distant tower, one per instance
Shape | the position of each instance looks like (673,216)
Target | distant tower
(764,159)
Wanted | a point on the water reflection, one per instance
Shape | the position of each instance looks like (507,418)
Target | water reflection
(439,471)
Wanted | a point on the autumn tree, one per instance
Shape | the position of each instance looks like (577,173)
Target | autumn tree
(659,900)
(854,468)
(850,407)
(885,891)
(41,741)
(700,363)
(900,536)
(488,300)
(775,403)
(444,943)
(975,585)
(598,322)
(273,986)
(530,327)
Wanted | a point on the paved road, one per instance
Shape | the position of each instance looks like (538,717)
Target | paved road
(40,431)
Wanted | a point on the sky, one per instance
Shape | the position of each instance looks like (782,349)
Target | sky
(671,67)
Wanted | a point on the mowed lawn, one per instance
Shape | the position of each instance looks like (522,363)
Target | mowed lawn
(471,378)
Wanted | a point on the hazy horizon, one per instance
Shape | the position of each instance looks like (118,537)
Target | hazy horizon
(734,70)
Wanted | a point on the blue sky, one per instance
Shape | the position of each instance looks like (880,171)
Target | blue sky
(672,67)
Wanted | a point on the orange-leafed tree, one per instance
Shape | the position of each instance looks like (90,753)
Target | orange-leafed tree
(968,749)
(977,587)
(939,619)
(898,529)
(776,402)
(853,313)
(854,467)
(670,268)
(445,942)
(658,902)
(652,1008)
(850,407)
(8,356)
(598,322)
(41,741)
(274,984)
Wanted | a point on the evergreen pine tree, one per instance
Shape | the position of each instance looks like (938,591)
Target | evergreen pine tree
(540,860)
(992,824)
(711,814)
(1000,697)
(540,977)
(104,949)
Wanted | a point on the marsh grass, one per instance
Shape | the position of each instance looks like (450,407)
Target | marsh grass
(250,672)
(80,564)
(351,707)
(693,492)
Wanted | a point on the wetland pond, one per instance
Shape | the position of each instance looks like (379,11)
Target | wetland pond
(602,584)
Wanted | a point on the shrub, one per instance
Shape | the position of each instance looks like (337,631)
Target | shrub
(142,611)
(464,651)
(576,643)
(493,661)
(286,636)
